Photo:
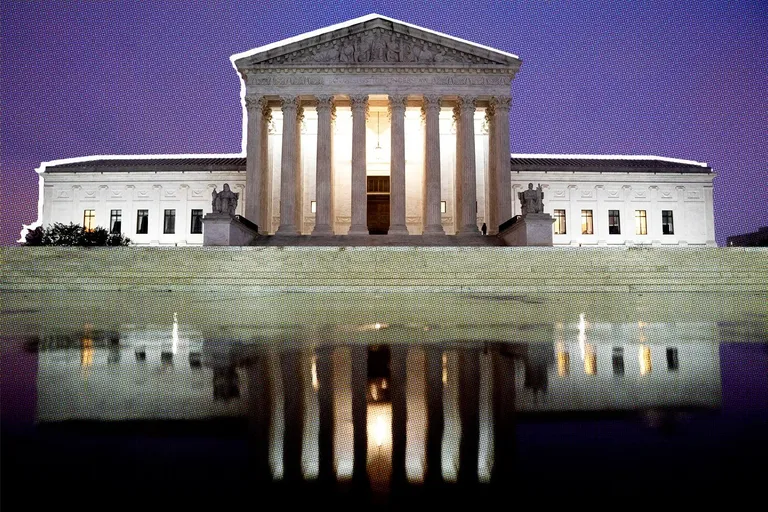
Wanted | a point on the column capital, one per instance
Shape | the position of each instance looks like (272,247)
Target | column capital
(501,102)
(324,102)
(466,103)
(397,101)
(288,103)
(358,101)
(253,102)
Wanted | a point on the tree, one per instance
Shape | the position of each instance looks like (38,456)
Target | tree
(73,234)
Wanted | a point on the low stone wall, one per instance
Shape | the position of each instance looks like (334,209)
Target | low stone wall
(386,269)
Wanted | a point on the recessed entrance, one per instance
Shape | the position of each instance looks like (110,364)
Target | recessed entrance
(378,205)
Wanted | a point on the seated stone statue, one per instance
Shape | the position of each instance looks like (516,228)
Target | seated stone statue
(224,201)
(531,201)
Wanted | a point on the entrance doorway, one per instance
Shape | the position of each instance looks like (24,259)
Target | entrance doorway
(378,205)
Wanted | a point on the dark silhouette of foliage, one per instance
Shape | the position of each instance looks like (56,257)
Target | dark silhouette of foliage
(72,234)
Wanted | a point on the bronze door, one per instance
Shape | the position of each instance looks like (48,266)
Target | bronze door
(378,214)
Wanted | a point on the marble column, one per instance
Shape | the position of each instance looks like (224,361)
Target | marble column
(397,166)
(466,166)
(501,105)
(255,170)
(492,174)
(265,214)
(359,192)
(324,180)
(432,188)
(290,107)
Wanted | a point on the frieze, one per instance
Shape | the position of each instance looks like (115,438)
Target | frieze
(375,80)
(379,46)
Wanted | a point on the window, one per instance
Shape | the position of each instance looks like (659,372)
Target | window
(169,222)
(586,222)
(89,219)
(197,222)
(142,222)
(614,222)
(115,221)
(641,223)
(672,361)
(443,207)
(559,222)
(667,225)
(313,206)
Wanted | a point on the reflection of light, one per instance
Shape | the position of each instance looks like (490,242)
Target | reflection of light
(384,384)
(377,326)
(644,356)
(315,382)
(563,360)
(445,369)
(86,353)
(175,334)
(380,430)
(582,335)
(374,392)
(590,359)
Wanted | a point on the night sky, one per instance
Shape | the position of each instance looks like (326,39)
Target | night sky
(685,79)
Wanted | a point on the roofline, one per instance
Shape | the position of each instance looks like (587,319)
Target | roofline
(93,158)
(349,23)
(609,157)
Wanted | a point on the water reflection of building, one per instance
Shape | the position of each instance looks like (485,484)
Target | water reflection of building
(385,415)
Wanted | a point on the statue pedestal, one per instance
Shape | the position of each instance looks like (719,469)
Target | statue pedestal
(224,229)
(531,230)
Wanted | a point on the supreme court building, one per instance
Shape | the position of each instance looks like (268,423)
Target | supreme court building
(376,126)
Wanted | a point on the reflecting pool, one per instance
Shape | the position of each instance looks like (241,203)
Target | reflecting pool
(524,401)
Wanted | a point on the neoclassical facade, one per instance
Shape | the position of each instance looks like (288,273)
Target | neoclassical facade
(374,127)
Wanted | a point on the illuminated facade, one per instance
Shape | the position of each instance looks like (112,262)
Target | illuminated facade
(376,126)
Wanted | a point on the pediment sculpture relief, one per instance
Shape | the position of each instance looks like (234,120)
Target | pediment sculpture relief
(378,46)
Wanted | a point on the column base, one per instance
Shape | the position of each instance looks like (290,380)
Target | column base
(322,231)
(469,231)
(357,229)
(435,229)
(287,230)
(398,230)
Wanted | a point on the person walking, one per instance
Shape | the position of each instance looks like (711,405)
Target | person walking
(484,228)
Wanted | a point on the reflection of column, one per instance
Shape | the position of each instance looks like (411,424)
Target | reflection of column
(324,179)
(469,405)
(276,414)
(307,379)
(288,167)
(416,398)
(324,370)
(434,413)
(452,431)
(259,413)
(399,413)
(342,413)
(359,412)
(432,191)
(397,166)
(504,416)
(294,421)
(485,451)
(359,195)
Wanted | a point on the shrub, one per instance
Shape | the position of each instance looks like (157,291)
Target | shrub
(72,234)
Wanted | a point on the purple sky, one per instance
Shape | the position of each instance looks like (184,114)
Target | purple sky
(685,79)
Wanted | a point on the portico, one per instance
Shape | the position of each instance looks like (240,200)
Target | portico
(377,97)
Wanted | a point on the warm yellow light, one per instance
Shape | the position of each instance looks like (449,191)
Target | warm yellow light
(590,359)
(86,353)
(313,206)
(380,430)
(377,326)
(644,356)
(315,382)
(563,361)
(445,370)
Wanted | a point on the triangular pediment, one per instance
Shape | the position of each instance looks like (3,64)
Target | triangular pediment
(374,40)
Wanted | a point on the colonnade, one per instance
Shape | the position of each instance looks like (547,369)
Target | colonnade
(292,107)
